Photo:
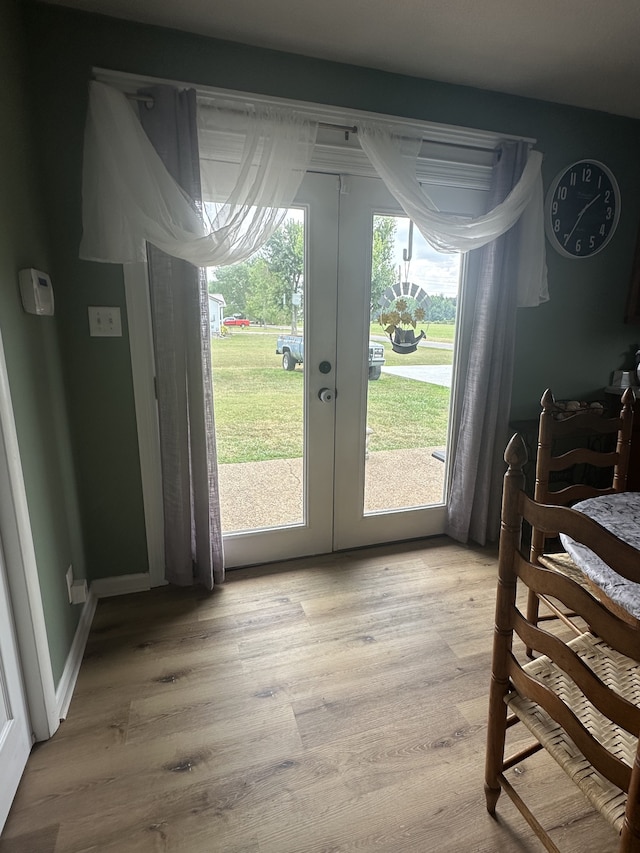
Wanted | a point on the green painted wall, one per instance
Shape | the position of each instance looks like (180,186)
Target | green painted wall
(572,344)
(32,352)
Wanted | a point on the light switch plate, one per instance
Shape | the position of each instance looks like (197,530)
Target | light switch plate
(104,322)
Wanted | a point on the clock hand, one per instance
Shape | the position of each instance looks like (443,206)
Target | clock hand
(580,215)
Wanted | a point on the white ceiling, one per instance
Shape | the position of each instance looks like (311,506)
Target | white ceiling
(580,52)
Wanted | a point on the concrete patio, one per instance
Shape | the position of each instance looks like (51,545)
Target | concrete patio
(269,494)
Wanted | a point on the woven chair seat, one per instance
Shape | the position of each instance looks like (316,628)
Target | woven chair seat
(563,564)
(621,674)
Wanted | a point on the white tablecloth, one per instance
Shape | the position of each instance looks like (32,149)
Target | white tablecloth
(619,513)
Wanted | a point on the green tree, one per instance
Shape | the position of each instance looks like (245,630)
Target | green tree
(264,301)
(234,283)
(442,309)
(383,270)
(270,286)
(284,257)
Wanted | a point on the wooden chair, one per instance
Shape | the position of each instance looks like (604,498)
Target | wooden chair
(552,432)
(580,698)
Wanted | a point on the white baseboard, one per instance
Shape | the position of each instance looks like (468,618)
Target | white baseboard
(100,588)
(121,585)
(69,677)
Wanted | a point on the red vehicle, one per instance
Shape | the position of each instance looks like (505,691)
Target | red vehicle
(235,321)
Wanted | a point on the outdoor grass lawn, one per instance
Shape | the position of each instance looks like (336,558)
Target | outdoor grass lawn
(258,405)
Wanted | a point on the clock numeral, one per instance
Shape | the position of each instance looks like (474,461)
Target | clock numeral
(609,212)
(578,245)
(592,242)
(556,225)
(573,178)
(554,208)
(603,229)
(607,196)
(586,175)
(562,193)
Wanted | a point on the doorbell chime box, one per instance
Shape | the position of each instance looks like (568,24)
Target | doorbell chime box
(36,292)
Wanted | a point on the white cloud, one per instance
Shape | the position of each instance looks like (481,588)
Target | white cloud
(436,272)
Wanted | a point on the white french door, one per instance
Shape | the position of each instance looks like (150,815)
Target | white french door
(308,526)
(333,474)
(353,526)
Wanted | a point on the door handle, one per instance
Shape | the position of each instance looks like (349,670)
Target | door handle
(326,395)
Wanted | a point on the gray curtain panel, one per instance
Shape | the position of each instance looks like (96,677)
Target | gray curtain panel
(478,467)
(180,315)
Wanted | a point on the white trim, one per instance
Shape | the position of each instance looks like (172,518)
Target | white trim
(120,585)
(437,163)
(22,573)
(69,676)
(136,286)
(101,588)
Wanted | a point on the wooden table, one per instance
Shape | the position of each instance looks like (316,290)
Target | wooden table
(620,514)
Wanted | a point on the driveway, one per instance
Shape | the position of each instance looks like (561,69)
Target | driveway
(436,374)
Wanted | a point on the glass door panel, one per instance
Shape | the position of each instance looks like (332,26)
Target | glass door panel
(259,409)
(408,407)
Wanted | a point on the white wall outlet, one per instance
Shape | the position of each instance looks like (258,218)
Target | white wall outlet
(69,579)
(104,322)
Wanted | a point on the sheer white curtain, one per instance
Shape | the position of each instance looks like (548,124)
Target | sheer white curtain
(129,197)
(252,162)
(394,158)
(195,187)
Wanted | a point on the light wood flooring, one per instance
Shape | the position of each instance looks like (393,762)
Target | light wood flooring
(330,705)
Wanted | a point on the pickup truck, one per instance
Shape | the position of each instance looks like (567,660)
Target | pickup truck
(235,321)
(291,347)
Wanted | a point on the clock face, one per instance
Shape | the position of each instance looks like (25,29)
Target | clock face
(582,209)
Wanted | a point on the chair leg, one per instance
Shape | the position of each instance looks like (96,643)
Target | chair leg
(496,736)
(491,796)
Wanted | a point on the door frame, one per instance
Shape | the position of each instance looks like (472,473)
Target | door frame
(240,548)
(143,372)
(451,155)
(25,598)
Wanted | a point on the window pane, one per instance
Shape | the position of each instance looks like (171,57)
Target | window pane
(259,392)
(408,397)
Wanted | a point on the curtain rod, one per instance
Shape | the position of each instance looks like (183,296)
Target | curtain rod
(476,139)
(149,101)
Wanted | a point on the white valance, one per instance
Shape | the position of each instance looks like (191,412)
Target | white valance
(253,160)
(394,157)
(129,197)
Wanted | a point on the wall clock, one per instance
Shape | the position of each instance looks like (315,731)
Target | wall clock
(582,209)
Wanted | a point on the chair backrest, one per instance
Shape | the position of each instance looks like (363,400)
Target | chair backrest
(512,670)
(558,427)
